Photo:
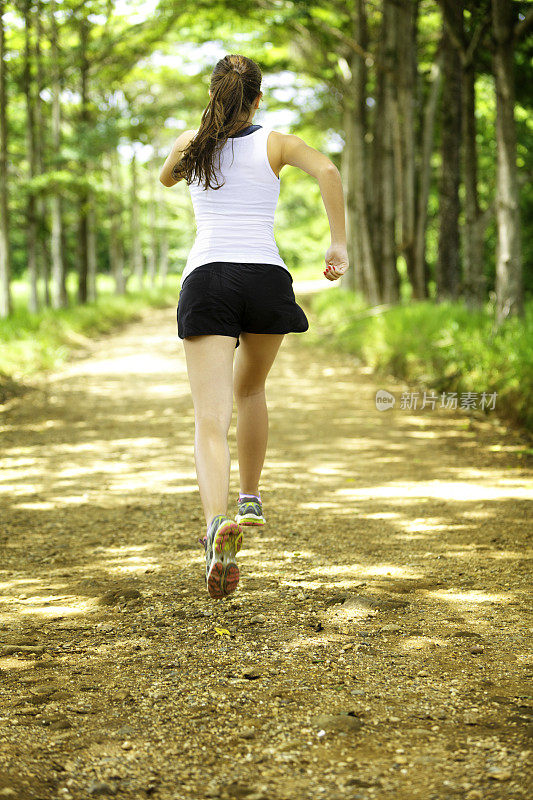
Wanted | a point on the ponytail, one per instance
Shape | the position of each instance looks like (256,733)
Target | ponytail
(235,85)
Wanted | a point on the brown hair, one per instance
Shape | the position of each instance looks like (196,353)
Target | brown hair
(235,85)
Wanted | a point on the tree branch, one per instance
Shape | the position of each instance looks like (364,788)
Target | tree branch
(476,40)
(451,29)
(466,53)
(324,26)
(351,43)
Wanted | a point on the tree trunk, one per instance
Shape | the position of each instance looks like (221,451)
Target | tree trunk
(58,290)
(5,258)
(473,232)
(31,218)
(83,224)
(121,276)
(448,262)
(163,256)
(404,26)
(391,279)
(91,252)
(353,278)
(59,293)
(379,132)
(424,181)
(509,280)
(474,276)
(136,251)
(372,267)
(116,249)
(152,250)
(358,67)
(42,226)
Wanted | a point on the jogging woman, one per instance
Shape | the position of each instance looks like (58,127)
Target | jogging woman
(236,292)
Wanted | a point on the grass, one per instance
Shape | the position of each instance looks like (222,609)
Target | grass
(444,346)
(30,342)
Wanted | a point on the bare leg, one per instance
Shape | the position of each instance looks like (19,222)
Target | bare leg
(210,369)
(254,358)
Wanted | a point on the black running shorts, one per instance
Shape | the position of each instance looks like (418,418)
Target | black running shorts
(225,297)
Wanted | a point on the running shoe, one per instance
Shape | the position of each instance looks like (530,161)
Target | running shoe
(250,512)
(222,542)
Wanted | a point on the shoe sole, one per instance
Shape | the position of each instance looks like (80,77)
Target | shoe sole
(231,578)
(215,581)
(224,574)
(250,520)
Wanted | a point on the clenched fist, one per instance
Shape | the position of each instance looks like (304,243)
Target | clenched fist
(336,262)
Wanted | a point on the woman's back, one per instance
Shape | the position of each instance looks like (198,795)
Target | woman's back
(236,222)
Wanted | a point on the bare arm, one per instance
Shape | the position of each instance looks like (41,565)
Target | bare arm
(175,154)
(297,153)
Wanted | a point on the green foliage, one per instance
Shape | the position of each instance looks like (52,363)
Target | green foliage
(445,346)
(31,342)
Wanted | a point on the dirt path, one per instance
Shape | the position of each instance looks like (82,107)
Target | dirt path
(376,646)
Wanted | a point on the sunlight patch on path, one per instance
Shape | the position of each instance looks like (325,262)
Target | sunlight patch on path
(446,490)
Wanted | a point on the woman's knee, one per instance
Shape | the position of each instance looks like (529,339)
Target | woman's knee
(212,423)
(243,391)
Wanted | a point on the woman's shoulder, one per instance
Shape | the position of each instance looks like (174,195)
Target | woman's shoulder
(281,139)
(276,138)
(275,133)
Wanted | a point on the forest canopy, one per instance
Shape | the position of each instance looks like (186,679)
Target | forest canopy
(424,106)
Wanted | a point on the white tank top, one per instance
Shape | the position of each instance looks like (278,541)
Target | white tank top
(236,222)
